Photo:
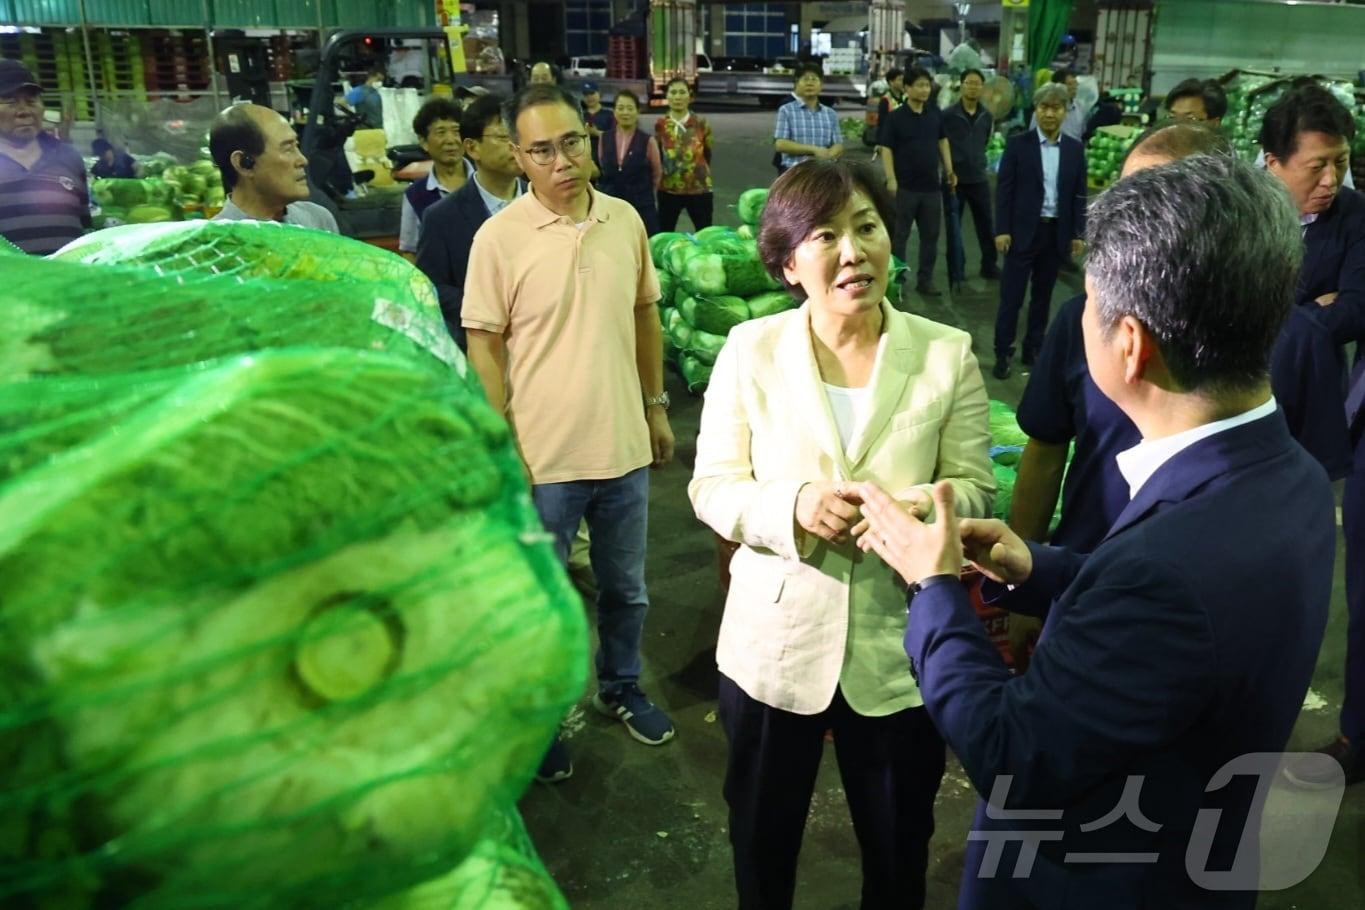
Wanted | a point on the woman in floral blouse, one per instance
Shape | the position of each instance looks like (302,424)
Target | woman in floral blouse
(685,141)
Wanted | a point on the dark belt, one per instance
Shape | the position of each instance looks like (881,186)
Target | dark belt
(1048,220)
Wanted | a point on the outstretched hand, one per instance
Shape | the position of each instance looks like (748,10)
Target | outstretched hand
(996,551)
(916,550)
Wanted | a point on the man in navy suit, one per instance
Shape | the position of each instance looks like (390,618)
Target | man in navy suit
(1187,640)
(1307,139)
(449,226)
(1040,209)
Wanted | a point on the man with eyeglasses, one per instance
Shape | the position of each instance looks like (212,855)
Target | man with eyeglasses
(44,198)
(1198,100)
(559,312)
(449,225)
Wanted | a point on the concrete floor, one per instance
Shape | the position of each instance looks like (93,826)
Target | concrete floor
(642,827)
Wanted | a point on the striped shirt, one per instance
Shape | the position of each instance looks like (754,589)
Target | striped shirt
(44,207)
(798,123)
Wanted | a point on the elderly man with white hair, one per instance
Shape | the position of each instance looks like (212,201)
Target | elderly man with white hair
(1040,212)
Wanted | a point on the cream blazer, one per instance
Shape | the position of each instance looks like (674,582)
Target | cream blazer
(805,616)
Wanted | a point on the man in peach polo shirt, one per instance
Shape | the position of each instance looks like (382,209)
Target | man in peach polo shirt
(559,308)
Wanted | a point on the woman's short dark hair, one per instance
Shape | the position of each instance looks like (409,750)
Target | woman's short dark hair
(234,130)
(808,195)
(669,85)
(1304,109)
(628,95)
(478,114)
(435,109)
(916,73)
(1209,93)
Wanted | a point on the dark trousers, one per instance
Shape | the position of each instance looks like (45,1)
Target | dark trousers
(890,767)
(1353,524)
(698,205)
(924,211)
(977,198)
(1039,262)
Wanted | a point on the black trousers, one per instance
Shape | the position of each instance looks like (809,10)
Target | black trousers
(699,208)
(977,197)
(925,212)
(1039,263)
(890,766)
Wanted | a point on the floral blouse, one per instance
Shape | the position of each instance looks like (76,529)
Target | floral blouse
(686,154)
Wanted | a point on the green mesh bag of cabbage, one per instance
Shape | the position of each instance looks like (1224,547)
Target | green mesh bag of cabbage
(250,250)
(279,630)
(69,317)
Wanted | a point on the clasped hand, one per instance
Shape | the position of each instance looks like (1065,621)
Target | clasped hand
(831,511)
(918,550)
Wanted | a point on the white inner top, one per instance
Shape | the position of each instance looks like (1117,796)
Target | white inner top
(850,409)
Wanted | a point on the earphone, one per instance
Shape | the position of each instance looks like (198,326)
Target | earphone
(247,161)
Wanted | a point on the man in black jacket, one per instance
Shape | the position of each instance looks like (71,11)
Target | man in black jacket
(969,126)
(448,226)
(1040,207)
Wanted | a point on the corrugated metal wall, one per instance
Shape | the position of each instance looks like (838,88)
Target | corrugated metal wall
(337,14)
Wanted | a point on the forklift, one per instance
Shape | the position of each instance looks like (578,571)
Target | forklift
(324,125)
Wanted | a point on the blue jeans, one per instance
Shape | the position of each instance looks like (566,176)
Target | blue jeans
(617,513)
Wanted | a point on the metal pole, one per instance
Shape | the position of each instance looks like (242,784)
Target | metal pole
(213,60)
(89,67)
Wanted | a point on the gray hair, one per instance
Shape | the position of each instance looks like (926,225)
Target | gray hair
(1205,253)
(1052,93)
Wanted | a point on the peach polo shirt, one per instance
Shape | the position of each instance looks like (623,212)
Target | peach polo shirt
(564,299)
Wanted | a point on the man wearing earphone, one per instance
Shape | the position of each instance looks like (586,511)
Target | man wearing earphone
(264,172)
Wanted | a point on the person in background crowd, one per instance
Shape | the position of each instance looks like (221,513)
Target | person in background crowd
(1108,112)
(437,125)
(968,127)
(1062,404)
(1347,179)
(449,225)
(1199,101)
(543,74)
(465,95)
(913,145)
(44,198)
(805,127)
(685,144)
(111,162)
(1040,210)
(632,168)
(800,407)
(1073,124)
(1306,136)
(1187,640)
(894,97)
(264,173)
(369,105)
(599,119)
(562,271)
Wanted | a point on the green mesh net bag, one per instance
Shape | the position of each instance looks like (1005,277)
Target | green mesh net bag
(279,630)
(249,250)
(1004,426)
(69,317)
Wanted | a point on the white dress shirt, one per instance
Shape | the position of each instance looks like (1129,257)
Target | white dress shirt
(1052,165)
(1139,463)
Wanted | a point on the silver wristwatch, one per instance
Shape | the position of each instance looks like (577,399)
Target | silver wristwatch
(662,400)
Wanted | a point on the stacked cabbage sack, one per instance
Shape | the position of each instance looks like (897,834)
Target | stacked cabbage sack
(278,622)
(1105,152)
(1007,447)
(711,283)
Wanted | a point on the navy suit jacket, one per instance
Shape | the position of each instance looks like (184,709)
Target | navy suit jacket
(1187,639)
(448,229)
(1019,191)
(1334,261)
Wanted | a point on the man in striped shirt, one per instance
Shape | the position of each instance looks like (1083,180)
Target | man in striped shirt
(44,199)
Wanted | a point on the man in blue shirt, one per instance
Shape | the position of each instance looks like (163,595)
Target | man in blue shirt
(805,127)
(1040,213)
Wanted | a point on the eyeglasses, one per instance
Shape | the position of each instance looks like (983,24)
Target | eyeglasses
(570,146)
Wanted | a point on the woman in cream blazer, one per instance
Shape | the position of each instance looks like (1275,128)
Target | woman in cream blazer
(800,407)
